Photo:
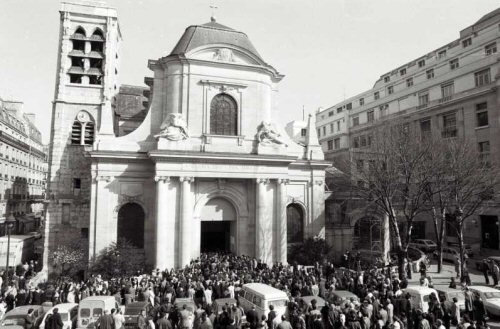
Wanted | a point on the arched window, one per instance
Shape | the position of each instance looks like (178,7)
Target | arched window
(80,33)
(223,116)
(294,223)
(83,129)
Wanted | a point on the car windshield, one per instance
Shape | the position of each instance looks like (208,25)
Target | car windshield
(278,303)
(492,294)
(133,310)
(85,312)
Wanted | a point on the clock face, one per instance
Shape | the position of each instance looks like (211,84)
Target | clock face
(83,117)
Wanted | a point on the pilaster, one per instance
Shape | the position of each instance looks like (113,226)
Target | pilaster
(281,222)
(187,203)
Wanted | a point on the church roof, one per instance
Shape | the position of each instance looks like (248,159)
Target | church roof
(212,33)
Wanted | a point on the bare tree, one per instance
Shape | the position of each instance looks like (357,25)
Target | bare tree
(391,175)
(471,184)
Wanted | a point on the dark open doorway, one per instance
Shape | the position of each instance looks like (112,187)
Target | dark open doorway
(131,224)
(215,236)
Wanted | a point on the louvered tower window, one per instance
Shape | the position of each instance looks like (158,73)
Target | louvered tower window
(83,129)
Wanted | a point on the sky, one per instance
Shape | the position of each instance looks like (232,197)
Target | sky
(328,50)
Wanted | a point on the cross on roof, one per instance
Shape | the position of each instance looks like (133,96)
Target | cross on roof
(214,8)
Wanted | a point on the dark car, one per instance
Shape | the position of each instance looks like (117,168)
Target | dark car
(132,311)
(16,318)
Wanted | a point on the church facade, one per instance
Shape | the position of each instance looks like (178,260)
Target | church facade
(208,169)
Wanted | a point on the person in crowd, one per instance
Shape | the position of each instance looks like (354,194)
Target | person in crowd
(55,321)
(118,318)
(105,321)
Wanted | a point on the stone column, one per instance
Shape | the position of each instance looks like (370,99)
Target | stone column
(165,225)
(260,220)
(281,222)
(186,225)
(102,236)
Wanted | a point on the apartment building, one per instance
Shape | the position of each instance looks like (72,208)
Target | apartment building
(23,169)
(448,92)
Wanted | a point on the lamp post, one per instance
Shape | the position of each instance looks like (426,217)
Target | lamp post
(9,223)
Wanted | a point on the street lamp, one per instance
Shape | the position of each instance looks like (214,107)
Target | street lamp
(9,223)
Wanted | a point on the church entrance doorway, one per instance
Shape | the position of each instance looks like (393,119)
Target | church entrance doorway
(131,224)
(218,226)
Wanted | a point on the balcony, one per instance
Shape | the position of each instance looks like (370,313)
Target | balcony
(422,106)
(445,99)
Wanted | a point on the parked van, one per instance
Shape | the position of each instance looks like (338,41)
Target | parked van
(91,308)
(21,249)
(262,296)
(68,312)
(420,296)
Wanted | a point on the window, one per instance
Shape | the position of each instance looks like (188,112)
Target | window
(425,128)
(82,132)
(482,77)
(490,49)
(303,132)
(423,99)
(421,63)
(362,141)
(482,114)
(390,90)
(324,130)
(430,73)
(484,151)
(336,143)
(449,125)
(467,42)
(447,91)
(376,95)
(361,101)
(75,78)
(331,127)
(77,183)
(338,125)
(355,142)
(355,121)
(359,165)
(409,82)
(319,132)
(402,72)
(348,106)
(339,109)
(383,110)
(223,116)
(454,64)
(370,115)
(387,79)
(442,53)
(330,114)
(330,145)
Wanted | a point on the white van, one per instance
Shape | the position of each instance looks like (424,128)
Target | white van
(91,308)
(68,312)
(262,296)
(420,296)
(21,249)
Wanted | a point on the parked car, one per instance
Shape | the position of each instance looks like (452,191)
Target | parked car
(189,302)
(450,254)
(68,312)
(490,297)
(450,293)
(91,308)
(467,247)
(340,296)
(132,311)
(261,296)
(320,302)
(427,246)
(219,303)
(16,318)
(479,264)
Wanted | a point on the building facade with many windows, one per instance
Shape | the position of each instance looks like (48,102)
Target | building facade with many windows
(449,92)
(23,169)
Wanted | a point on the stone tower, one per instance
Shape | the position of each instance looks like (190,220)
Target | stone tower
(82,113)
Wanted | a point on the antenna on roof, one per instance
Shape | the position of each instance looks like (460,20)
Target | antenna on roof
(303,113)
(214,8)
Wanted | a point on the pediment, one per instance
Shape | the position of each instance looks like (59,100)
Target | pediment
(224,54)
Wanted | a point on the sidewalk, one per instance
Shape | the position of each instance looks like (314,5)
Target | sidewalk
(447,273)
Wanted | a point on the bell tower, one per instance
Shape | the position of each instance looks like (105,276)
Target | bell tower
(82,113)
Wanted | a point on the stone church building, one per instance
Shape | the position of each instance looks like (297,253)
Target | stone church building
(205,168)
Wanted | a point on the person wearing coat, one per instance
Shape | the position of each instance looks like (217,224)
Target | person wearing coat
(55,320)
(105,321)
(455,312)
(479,310)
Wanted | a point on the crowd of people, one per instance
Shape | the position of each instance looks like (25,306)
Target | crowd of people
(380,302)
